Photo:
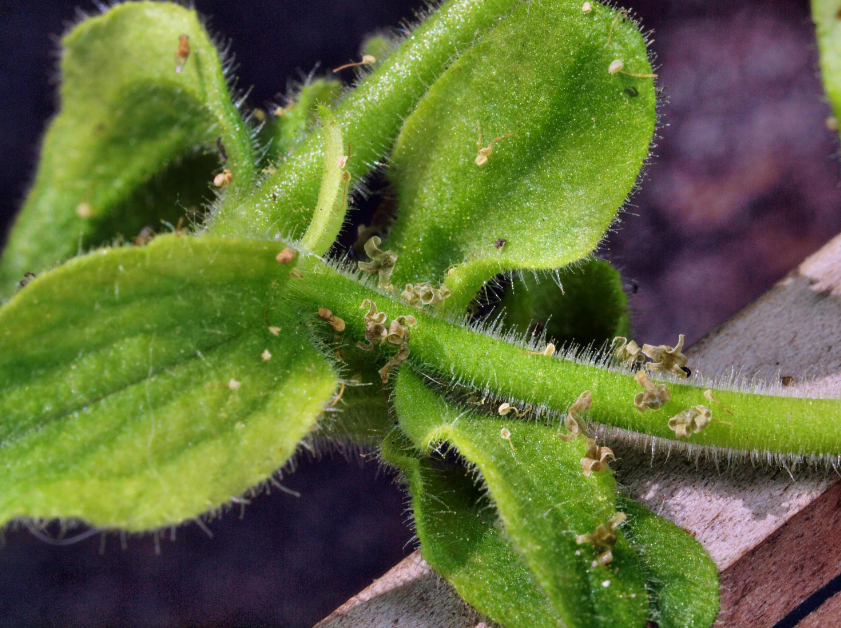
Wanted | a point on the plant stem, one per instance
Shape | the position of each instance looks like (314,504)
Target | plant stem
(451,353)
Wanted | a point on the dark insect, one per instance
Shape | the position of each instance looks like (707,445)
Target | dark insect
(26,279)
(221,148)
(686,370)
(500,243)
(632,92)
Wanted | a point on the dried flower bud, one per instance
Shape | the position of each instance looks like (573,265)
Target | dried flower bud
(223,179)
(665,359)
(396,360)
(375,330)
(603,538)
(574,423)
(690,421)
(627,352)
(424,293)
(286,256)
(505,434)
(655,395)
(595,459)
(398,330)
(505,408)
(382,262)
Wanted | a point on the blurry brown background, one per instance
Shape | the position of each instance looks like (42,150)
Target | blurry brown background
(743,184)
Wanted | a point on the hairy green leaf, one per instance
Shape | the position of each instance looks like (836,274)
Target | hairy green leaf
(582,304)
(330,209)
(577,137)
(682,576)
(142,386)
(371,116)
(462,540)
(289,125)
(544,500)
(126,116)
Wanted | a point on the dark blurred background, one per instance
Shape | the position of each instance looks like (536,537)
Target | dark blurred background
(743,184)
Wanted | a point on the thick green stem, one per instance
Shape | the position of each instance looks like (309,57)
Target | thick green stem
(453,353)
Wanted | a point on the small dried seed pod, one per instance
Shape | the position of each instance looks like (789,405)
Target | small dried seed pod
(223,179)
(505,434)
(505,408)
(655,395)
(84,210)
(182,53)
(324,314)
(382,262)
(690,421)
(286,256)
(573,422)
(366,60)
(603,538)
(665,359)
(616,66)
(483,153)
(337,323)
(596,458)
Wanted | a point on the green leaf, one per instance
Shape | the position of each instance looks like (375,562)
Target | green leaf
(329,215)
(584,305)
(289,125)
(683,577)
(462,540)
(579,136)
(126,116)
(134,388)
(544,501)
(371,116)
(828,31)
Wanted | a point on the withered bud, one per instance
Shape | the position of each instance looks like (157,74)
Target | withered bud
(603,538)
(690,421)
(574,423)
(626,351)
(223,179)
(286,256)
(424,293)
(595,459)
(382,262)
(396,360)
(665,359)
(398,330)
(655,395)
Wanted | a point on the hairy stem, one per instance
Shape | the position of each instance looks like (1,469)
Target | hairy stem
(453,353)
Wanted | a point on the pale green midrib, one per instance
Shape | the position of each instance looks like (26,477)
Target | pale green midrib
(64,413)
